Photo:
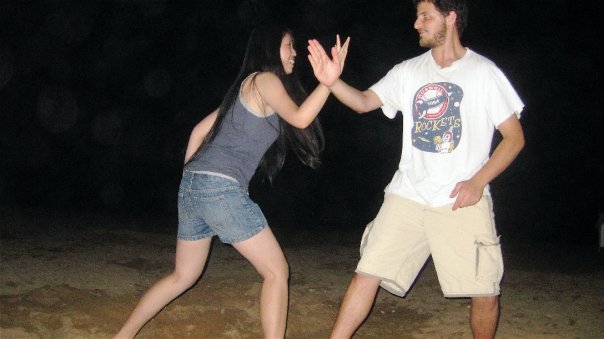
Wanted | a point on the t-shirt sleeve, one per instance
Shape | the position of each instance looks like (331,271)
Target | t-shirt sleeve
(502,100)
(388,89)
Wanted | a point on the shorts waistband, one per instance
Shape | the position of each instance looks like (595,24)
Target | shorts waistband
(216,174)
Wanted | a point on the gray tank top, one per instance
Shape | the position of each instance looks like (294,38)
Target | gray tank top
(239,145)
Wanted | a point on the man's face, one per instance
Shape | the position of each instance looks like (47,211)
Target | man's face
(430,24)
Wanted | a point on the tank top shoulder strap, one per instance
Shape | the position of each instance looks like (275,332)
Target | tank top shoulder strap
(253,92)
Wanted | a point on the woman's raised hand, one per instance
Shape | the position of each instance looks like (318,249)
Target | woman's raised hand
(327,70)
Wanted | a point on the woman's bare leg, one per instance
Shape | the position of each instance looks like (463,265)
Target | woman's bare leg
(191,257)
(265,254)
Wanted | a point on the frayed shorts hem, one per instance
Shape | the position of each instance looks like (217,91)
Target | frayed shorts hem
(244,237)
(470,295)
(240,238)
(389,285)
(194,237)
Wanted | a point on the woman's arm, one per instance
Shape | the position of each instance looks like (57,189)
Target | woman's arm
(199,133)
(276,97)
(274,94)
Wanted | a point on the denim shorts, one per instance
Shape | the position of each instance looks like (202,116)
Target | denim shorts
(211,205)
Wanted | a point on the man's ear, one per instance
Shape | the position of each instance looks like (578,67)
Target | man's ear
(451,18)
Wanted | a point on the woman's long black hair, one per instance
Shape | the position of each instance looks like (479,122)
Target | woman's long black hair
(263,55)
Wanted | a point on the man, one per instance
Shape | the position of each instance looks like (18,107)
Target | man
(438,202)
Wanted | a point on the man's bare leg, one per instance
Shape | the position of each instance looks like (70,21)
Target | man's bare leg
(356,305)
(484,316)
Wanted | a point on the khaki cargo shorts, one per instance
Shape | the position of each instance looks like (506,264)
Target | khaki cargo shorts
(464,246)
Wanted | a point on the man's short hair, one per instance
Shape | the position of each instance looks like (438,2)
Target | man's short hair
(445,6)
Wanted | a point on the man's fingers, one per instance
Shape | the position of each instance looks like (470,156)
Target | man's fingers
(454,192)
(335,55)
(344,49)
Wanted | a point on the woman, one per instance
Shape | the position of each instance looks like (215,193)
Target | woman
(262,115)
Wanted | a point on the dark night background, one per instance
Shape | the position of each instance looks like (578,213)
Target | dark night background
(97,101)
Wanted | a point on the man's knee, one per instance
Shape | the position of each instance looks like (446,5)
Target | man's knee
(485,303)
(365,281)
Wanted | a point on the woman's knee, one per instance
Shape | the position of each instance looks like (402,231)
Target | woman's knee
(278,272)
(282,271)
(184,279)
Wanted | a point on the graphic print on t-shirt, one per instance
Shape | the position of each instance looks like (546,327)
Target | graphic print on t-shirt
(436,119)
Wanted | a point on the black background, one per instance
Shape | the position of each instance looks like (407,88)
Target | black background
(97,100)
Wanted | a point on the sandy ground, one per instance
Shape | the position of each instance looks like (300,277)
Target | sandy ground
(78,276)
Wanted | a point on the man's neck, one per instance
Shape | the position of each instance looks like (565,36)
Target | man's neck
(445,55)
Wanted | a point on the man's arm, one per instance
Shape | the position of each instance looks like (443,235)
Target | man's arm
(470,191)
(360,102)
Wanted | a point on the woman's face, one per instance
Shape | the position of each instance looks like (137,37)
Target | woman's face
(288,53)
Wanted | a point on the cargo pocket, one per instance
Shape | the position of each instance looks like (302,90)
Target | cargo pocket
(489,264)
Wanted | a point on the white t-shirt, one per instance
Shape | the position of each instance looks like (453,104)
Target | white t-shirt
(449,117)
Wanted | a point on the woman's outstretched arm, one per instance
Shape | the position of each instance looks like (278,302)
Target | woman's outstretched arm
(274,94)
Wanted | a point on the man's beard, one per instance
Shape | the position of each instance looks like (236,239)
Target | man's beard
(437,40)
